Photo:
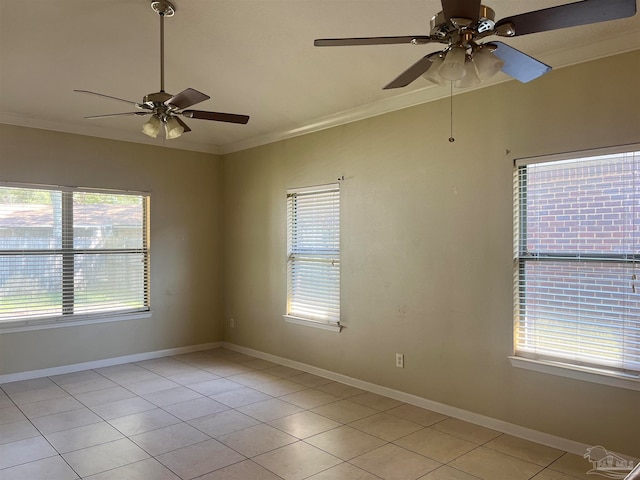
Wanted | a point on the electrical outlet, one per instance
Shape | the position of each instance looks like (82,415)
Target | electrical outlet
(399,360)
(232,322)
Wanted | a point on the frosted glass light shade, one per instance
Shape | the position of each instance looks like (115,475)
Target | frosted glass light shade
(152,126)
(470,78)
(432,74)
(452,67)
(173,129)
(487,63)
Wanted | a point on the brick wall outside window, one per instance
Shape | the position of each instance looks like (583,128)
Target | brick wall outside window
(579,245)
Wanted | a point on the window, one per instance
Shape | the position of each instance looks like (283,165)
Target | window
(577,292)
(313,247)
(71,254)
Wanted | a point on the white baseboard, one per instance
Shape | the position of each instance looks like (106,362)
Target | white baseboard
(484,421)
(495,424)
(107,362)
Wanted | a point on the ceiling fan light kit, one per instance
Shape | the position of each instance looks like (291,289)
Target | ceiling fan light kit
(152,126)
(487,63)
(433,74)
(452,67)
(470,77)
(172,128)
(464,69)
(462,26)
(163,107)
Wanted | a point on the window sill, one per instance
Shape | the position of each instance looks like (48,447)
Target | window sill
(604,377)
(333,327)
(60,321)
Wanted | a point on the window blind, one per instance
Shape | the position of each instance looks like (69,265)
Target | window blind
(66,252)
(577,293)
(313,241)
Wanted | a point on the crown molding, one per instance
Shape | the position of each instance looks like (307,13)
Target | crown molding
(558,58)
(101,132)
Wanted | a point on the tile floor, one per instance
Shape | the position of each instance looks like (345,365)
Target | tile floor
(223,415)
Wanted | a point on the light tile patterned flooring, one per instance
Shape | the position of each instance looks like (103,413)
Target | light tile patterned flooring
(223,415)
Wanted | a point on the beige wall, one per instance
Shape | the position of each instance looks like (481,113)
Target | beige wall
(426,251)
(427,246)
(186,252)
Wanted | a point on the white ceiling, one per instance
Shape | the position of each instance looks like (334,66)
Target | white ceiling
(253,57)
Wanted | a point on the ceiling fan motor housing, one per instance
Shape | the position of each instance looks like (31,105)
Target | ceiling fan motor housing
(156,102)
(158,97)
(456,30)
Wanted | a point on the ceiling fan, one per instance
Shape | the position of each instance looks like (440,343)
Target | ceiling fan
(462,25)
(165,109)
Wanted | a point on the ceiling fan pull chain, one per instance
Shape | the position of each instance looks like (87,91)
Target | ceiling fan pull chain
(451,139)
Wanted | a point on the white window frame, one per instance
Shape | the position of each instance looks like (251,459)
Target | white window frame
(68,253)
(598,372)
(319,308)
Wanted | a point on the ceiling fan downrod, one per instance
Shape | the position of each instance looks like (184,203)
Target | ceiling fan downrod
(163,8)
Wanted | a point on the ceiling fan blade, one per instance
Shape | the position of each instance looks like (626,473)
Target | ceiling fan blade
(120,114)
(461,9)
(186,98)
(183,125)
(570,15)
(412,73)
(519,65)
(216,116)
(342,42)
(139,105)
